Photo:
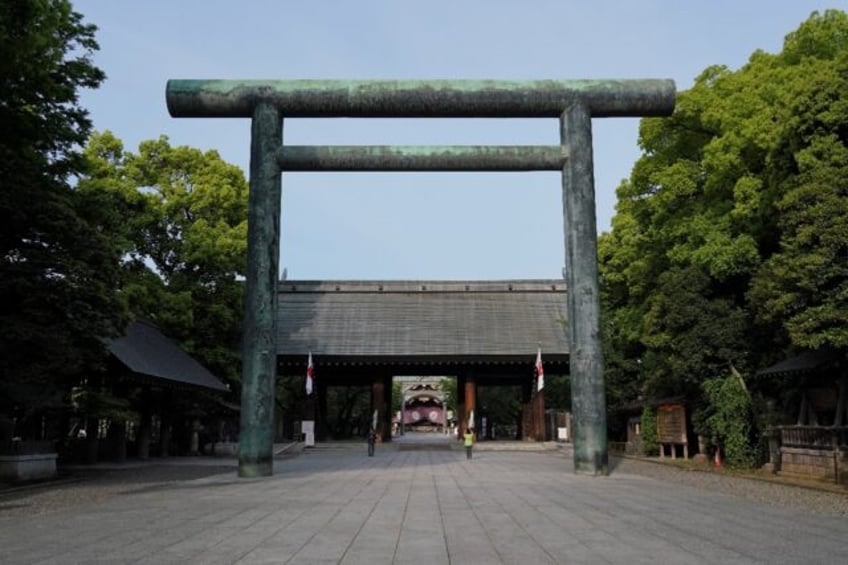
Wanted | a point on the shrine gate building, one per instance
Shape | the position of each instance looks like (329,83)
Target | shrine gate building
(363,333)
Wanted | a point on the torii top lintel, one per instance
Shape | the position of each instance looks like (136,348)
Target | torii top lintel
(420,98)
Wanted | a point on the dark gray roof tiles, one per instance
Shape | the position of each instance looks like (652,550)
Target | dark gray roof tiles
(146,351)
(807,362)
(421,318)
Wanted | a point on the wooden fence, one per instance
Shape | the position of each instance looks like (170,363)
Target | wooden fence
(814,437)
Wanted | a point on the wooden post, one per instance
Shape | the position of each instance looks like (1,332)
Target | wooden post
(320,412)
(460,406)
(387,408)
(144,424)
(842,399)
(471,403)
(539,414)
(165,422)
(378,404)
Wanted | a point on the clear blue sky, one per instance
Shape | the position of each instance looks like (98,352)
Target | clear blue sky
(418,225)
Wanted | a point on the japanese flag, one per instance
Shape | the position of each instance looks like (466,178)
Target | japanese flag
(540,374)
(309,371)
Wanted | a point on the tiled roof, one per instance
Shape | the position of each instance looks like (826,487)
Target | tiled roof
(807,362)
(146,351)
(422,318)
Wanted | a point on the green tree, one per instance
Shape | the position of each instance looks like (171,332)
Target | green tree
(59,269)
(729,421)
(557,392)
(803,285)
(500,405)
(397,395)
(650,439)
(348,411)
(448,386)
(729,240)
(180,222)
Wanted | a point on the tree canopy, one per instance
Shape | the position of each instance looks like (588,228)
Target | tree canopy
(729,245)
(179,219)
(93,235)
(58,268)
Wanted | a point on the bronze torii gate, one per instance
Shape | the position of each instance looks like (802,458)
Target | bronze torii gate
(574,102)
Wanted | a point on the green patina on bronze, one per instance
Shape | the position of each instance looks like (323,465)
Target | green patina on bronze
(421,158)
(420,98)
(259,347)
(585,356)
(574,102)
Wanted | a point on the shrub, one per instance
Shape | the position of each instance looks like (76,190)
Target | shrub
(650,441)
(730,423)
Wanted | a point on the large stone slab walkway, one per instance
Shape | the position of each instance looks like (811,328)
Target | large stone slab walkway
(427,507)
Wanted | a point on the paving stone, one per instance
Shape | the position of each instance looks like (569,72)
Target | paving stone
(428,507)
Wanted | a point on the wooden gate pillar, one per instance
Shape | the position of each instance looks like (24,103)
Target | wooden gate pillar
(378,405)
(165,423)
(320,411)
(460,406)
(539,415)
(526,411)
(144,424)
(386,421)
(470,418)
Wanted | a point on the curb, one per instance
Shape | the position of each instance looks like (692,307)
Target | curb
(783,480)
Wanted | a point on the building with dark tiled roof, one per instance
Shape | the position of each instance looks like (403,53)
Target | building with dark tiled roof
(482,332)
(153,358)
(148,370)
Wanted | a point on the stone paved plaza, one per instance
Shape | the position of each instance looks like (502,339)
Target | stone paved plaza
(419,506)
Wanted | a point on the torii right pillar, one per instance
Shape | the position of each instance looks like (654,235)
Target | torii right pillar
(588,400)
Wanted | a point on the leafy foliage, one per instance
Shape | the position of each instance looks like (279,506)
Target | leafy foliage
(804,284)
(348,411)
(58,269)
(650,439)
(397,395)
(100,403)
(500,405)
(449,385)
(730,240)
(557,392)
(730,423)
(179,218)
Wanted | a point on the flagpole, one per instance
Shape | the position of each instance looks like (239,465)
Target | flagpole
(538,404)
(310,408)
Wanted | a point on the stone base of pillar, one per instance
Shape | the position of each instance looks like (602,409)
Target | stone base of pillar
(253,469)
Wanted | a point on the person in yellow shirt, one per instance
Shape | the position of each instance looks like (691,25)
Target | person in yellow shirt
(469,442)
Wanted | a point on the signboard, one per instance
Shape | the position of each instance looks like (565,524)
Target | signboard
(307,428)
(671,423)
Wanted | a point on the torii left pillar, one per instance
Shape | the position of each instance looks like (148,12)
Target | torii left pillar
(256,440)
